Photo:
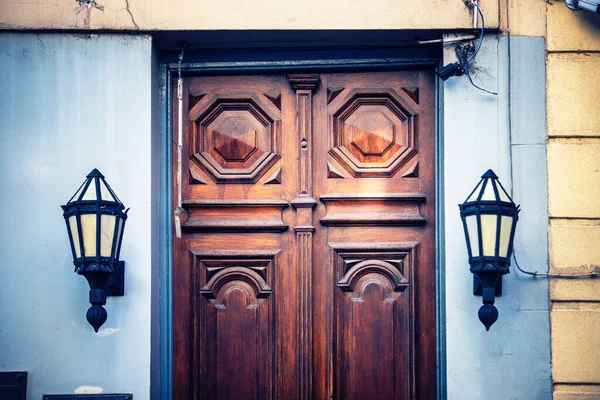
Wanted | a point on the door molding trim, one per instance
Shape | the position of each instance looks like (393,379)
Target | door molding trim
(440,245)
(168,75)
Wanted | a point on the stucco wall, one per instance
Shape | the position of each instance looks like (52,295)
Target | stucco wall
(70,103)
(526,17)
(241,14)
(574,206)
(512,360)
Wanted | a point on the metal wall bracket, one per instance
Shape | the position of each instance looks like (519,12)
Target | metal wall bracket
(115,285)
(478,291)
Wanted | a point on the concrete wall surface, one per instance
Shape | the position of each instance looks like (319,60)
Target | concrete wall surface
(71,103)
(574,199)
(512,360)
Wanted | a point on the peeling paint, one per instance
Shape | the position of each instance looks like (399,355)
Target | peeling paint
(107,332)
(88,390)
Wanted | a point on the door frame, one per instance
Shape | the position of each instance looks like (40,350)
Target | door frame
(168,78)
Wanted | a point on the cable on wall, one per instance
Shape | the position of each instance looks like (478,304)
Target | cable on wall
(179,210)
(477,10)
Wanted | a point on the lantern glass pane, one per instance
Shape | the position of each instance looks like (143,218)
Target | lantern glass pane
(475,194)
(75,235)
(107,234)
(76,195)
(488,193)
(488,234)
(105,193)
(503,194)
(471,222)
(505,231)
(88,230)
(90,193)
(119,232)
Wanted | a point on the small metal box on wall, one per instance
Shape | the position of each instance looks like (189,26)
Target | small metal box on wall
(13,385)
(117,396)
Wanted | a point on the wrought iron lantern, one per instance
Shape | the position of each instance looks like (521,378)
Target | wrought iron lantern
(95,219)
(489,219)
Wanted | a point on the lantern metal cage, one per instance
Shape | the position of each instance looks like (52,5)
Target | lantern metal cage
(489,217)
(95,220)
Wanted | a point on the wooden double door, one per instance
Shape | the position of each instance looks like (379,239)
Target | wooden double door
(306,268)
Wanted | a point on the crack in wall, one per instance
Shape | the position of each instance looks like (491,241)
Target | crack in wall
(131,15)
(87,5)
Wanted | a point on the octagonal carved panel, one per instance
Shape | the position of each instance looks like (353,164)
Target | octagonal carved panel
(235,138)
(373,131)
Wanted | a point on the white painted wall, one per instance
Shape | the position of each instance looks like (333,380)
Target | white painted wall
(512,360)
(68,104)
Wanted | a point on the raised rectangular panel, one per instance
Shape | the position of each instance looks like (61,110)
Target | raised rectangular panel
(234,216)
(233,323)
(373,209)
(373,320)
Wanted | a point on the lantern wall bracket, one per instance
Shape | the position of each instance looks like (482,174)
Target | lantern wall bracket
(115,284)
(477,287)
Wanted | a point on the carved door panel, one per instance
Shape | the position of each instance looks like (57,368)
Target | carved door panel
(306,267)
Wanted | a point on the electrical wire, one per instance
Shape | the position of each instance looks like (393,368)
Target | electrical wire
(479,43)
(535,274)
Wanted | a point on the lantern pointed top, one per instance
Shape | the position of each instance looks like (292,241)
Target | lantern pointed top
(489,174)
(95,173)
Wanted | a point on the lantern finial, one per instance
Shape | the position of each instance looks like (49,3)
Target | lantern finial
(488,314)
(95,174)
(489,174)
(96,316)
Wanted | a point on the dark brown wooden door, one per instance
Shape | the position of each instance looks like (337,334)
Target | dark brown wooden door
(307,263)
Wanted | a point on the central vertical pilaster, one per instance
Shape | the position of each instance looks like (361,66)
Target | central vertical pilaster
(304,203)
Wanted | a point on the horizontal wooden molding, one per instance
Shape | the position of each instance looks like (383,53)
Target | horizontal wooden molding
(373,209)
(233,254)
(233,216)
(374,196)
(373,246)
(234,203)
(304,202)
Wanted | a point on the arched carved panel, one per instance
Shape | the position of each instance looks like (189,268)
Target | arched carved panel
(390,270)
(373,328)
(373,132)
(380,284)
(235,138)
(224,277)
(234,323)
(227,296)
